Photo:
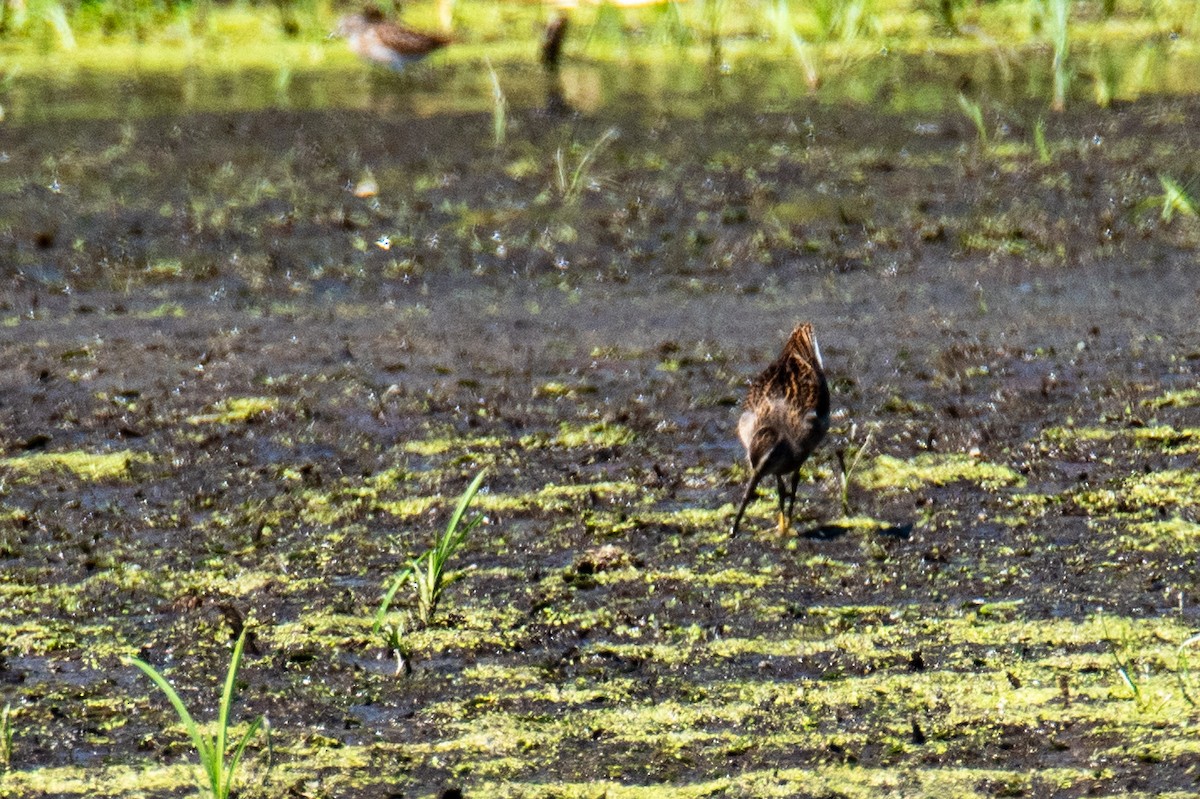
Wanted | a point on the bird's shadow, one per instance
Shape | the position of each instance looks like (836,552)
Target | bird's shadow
(832,531)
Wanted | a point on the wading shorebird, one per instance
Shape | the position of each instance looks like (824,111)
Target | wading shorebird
(378,40)
(786,417)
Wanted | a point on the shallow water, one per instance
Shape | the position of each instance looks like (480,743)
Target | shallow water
(675,82)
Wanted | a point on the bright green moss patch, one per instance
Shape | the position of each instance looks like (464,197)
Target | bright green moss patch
(34,638)
(407,508)
(851,782)
(723,577)
(323,628)
(1177,534)
(573,436)
(125,781)
(238,409)
(550,499)
(556,389)
(1026,507)
(1061,435)
(1159,437)
(432,641)
(1142,495)
(1183,398)
(85,465)
(222,576)
(861,523)
(440,446)
(693,518)
(1168,439)
(167,310)
(559,498)
(886,472)
(515,677)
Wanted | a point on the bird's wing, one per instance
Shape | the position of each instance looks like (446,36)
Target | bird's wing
(408,41)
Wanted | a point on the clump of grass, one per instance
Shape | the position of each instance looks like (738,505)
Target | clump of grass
(1124,667)
(1183,670)
(846,468)
(779,13)
(945,12)
(1175,200)
(398,649)
(54,16)
(980,301)
(1059,25)
(445,14)
(6,738)
(844,20)
(714,11)
(670,27)
(974,112)
(218,768)
(1039,141)
(571,182)
(1106,73)
(499,109)
(428,571)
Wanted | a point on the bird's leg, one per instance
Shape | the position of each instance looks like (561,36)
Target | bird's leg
(792,494)
(784,517)
(754,478)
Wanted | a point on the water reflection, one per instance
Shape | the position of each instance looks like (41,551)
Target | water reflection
(892,81)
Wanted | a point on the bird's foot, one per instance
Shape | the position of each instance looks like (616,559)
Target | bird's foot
(785,525)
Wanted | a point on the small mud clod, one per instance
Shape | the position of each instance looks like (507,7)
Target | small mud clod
(599,559)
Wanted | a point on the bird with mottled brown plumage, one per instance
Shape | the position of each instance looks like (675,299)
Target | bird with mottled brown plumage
(377,39)
(786,417)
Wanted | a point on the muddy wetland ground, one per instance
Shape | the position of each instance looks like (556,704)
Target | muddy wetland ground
(259,331)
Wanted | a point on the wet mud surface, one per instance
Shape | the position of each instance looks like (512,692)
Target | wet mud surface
(233,391)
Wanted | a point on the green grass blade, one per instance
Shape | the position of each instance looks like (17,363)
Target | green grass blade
(456,532)
(499,109)
(974,112)
(453,540)
(1125,678)
(465,500)
(1039,141)
(198,740)
(577,177)
(1175,199)
(270,750)
(402,576)
(237,754)
(6,738)
(227,703)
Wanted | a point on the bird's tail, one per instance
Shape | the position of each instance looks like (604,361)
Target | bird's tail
(803,344)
